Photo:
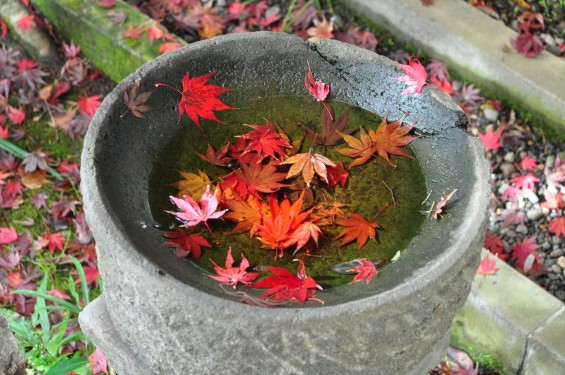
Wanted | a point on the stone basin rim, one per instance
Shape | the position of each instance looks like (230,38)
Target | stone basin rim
(95,207)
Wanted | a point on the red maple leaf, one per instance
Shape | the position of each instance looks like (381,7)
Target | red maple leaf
(156,32)
(495,246)
(185,243)
(3,29)
(359,229)
(337,175)
(8,235)
(528,163)
(415,77)
(233,275)
(286,286)
(525,250)
(4,134)
(525,182)
(26,22)
(263,141)
(441,204)
(169,46)
(55,241)
(97,362)
(528,44)
(90,272)
(90,104)
(330,134)
(216,157)
(557,226)
(254,178)
(364,270)
(200,99)
(133,32)
(487,266)
(16,116)
(106,4)
(317,89)
(491,139)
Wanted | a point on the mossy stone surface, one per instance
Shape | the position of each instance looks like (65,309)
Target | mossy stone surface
(87,25)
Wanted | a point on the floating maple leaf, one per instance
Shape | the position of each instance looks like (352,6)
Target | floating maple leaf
(487,266)
(192,214)
(286,286)
(216,157)
(308,164)
(415,77)
(263,141)
(135,101)
(358,228)
(253,178)
(387,139)
(363,269)
(337,175)
(247,214)
(231,275)
(193,184)
(285,225)
(330,134)
(185,243)
(200,99)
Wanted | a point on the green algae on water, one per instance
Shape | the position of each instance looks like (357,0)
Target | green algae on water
(370,188)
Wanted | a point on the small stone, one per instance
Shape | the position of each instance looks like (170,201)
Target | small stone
(561,261)
(507,169)
(548,39)
(560,293)
(555,268)
(555,240)
(546,246)
(522,229)
(502,4)
(531,196)
(534,214)
(556,253)
(510,157)
(490,114)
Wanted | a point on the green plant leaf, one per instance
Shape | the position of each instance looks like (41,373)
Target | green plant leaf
(64,305)
(67,365)
(82,277)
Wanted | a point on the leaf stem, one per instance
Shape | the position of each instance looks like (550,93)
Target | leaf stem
(168,86)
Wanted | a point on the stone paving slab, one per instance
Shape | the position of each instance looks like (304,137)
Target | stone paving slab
(512,318)
(474,44)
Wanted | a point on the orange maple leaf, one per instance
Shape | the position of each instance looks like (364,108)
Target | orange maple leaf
(361,149)
(247,214)
(358,228)
(308,164)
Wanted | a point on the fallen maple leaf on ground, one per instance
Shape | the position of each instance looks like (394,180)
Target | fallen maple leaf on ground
(192,214)
(90,104)
(524,253)
(200,99)
(491,139)
(441,204)
(231,275)
(528,44)
(8,235)
(97,362)
(358,228)
(26,22)
(415,77)
(557,226)
(487,266)
(185,243)
(286,286)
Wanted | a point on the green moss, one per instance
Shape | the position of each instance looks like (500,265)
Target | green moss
(487,362)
